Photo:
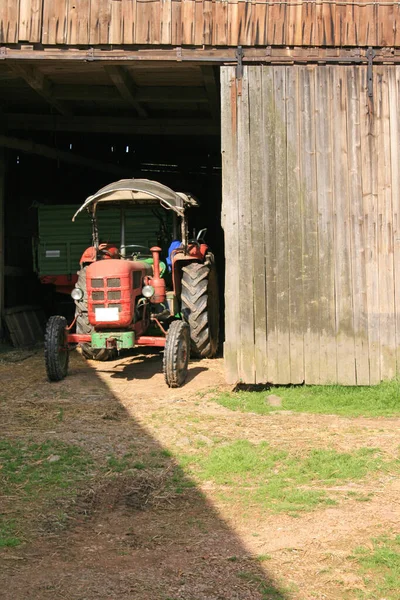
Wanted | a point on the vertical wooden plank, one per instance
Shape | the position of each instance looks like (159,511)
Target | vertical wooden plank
(199,23)
(148,26)
(358,263)
(30,20)
(100,16)
(246,275)
(258,197)
(260,11)
(367,25)
(115,35)
(310,225)
(220,32)
(230,220)
(281,227)
(346,373)
(326,35)
(233,22)
(176,22)
(166,21)
(394,99)
(207,22)
(370,210)
(78,22)
(326,260)
(128,17)
(295,241)
(350,23)
(188,21)
(269,162)
(385,227)
(9,21)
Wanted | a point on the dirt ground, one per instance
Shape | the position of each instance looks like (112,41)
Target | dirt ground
(191,546)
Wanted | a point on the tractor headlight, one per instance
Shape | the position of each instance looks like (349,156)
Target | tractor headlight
(148,291)
(77,293)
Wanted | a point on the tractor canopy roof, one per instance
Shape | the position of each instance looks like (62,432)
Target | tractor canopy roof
(139,191)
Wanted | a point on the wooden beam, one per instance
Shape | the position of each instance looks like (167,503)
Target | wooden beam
(2,203)
(211,85)
(113,125)
(153,94)
(42,85)
(126,88)
(54,154)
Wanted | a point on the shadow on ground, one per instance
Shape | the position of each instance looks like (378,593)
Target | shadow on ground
(134,532)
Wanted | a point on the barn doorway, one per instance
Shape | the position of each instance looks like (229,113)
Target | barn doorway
(88,124)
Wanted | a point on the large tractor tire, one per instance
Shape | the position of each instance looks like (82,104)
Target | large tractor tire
(83,326)
(56,353)
(176,354)
(200,306)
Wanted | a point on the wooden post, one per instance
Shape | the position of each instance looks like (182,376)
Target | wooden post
(2,204)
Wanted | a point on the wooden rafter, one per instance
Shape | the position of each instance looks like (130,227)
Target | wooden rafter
(210,83)
(154,94)
(54,154)
(116,125)
(126,88)
(42,85)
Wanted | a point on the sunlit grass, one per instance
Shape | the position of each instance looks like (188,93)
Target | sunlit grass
(380,400)
(256,474)
(380,567)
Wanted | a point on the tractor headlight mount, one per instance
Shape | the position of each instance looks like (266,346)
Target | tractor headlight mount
(148,291)
(77,293)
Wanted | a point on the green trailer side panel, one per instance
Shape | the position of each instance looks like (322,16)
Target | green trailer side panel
(61,242)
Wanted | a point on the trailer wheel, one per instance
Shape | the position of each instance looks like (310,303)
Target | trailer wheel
(83,326)
(56,351)
(176,354)
(200,306)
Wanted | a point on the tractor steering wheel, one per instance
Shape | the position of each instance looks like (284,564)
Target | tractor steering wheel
(138,246)
(106,252)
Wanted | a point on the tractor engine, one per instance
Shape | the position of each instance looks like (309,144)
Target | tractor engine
(113,288)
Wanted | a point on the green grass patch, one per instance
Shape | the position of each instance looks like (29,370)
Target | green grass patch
(380,567)
(35,473)
(277,480)
(383,399)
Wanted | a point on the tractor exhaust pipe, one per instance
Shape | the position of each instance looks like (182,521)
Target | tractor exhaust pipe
(156,281)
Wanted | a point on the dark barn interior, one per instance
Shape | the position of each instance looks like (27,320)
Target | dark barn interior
(69,129)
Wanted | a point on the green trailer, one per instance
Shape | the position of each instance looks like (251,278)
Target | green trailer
(60,242)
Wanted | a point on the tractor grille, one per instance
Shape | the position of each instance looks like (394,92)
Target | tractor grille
(97,283)
(115,295)
(113,282)
(100,306)
(98,295)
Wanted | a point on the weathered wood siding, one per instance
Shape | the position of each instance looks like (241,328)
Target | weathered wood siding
(201,22)
(311,210)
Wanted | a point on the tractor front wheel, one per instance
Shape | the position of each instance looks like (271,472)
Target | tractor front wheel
(200,306)
(176,354)
(56,351)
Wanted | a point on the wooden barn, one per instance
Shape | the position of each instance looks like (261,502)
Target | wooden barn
(282,116)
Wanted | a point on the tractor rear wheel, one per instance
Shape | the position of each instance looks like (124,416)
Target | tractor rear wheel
(83,326)
(56,352)
(200,306)
(176,354)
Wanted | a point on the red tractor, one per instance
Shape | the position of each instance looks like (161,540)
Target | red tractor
(126,296)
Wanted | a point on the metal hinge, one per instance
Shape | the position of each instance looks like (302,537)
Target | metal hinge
(239,64)
(370,54)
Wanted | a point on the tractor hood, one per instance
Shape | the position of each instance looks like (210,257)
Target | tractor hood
(140,191)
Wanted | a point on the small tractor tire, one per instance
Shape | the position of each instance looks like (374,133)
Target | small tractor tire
(176,354)
(56,351)
(83,326)
(200,306)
